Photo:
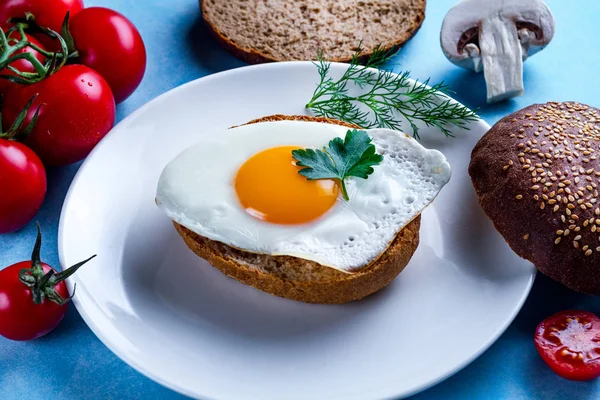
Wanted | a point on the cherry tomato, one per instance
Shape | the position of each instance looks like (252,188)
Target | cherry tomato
(21,64)
(569,342)
(22,184)
(118,54)
(77,110)
(33,296)
(20,317)
(47,13)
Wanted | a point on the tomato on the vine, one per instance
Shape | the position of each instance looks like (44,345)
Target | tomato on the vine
(47,13)
(21,65)
(569,342)
(33,297)
(118,54)
(22,183)
(76,110)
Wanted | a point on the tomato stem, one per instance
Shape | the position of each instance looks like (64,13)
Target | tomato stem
(15,132)
(54,60)
(42,283)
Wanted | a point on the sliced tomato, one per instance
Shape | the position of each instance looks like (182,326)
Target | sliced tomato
(569,342)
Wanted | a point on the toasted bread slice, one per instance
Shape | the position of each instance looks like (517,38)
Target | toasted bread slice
(299,279)
(283,30)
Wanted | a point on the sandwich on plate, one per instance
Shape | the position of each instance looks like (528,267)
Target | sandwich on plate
(306,208)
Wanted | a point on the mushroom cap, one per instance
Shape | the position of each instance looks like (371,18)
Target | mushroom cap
(462,23)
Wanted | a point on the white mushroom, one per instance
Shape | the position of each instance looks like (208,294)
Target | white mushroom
(497,35)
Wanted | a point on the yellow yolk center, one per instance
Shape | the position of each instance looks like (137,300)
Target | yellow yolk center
(270,188)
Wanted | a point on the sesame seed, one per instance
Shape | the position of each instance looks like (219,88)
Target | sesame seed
(526,236)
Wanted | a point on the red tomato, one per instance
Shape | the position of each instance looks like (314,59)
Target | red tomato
(569,342)
(47,13)
(118,54)
(22,184)
(21,65)
(77,110)
(20,317)
(33,296)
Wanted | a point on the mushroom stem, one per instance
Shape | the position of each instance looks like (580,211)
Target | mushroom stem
(502,58)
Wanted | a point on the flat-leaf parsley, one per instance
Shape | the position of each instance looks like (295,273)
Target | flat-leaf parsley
(353,156)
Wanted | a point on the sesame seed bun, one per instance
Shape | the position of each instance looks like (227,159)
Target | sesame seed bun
(304,280)
(536,173)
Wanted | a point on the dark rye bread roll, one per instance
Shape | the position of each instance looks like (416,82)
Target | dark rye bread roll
(282,30)
(536,173)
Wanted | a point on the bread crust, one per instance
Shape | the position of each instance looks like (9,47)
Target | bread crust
(255,56)
(548,221)
(304,280)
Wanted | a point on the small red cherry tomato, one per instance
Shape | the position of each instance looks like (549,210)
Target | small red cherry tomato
(20,317)
(21,64)
(22,185)
(47,13)
(77,111)
(118,54)
(33,297)
(569,342)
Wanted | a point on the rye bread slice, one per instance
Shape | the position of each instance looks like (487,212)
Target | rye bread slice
(283,30)
(303,280)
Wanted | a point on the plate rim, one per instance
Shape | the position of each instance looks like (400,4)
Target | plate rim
(131,361)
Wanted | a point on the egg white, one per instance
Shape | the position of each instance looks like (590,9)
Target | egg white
(196,190)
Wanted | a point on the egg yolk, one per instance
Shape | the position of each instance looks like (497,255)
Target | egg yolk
(270,188)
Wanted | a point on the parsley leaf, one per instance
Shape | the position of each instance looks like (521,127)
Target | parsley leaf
(353,156)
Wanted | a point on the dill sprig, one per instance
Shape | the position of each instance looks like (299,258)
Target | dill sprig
(386,99)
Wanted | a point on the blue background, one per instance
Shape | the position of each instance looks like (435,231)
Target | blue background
(71,363)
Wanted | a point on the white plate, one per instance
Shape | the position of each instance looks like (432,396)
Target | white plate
(181,322)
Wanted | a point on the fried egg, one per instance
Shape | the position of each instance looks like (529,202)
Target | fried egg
(241,187)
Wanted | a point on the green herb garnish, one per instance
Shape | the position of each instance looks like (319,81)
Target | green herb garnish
(386,99)
(353,156)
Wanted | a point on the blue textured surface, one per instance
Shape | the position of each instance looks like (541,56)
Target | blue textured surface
(71,363)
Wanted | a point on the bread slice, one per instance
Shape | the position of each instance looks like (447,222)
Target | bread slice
(283,30)
(299,279)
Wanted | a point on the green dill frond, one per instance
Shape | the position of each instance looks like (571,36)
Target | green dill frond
(387,99)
